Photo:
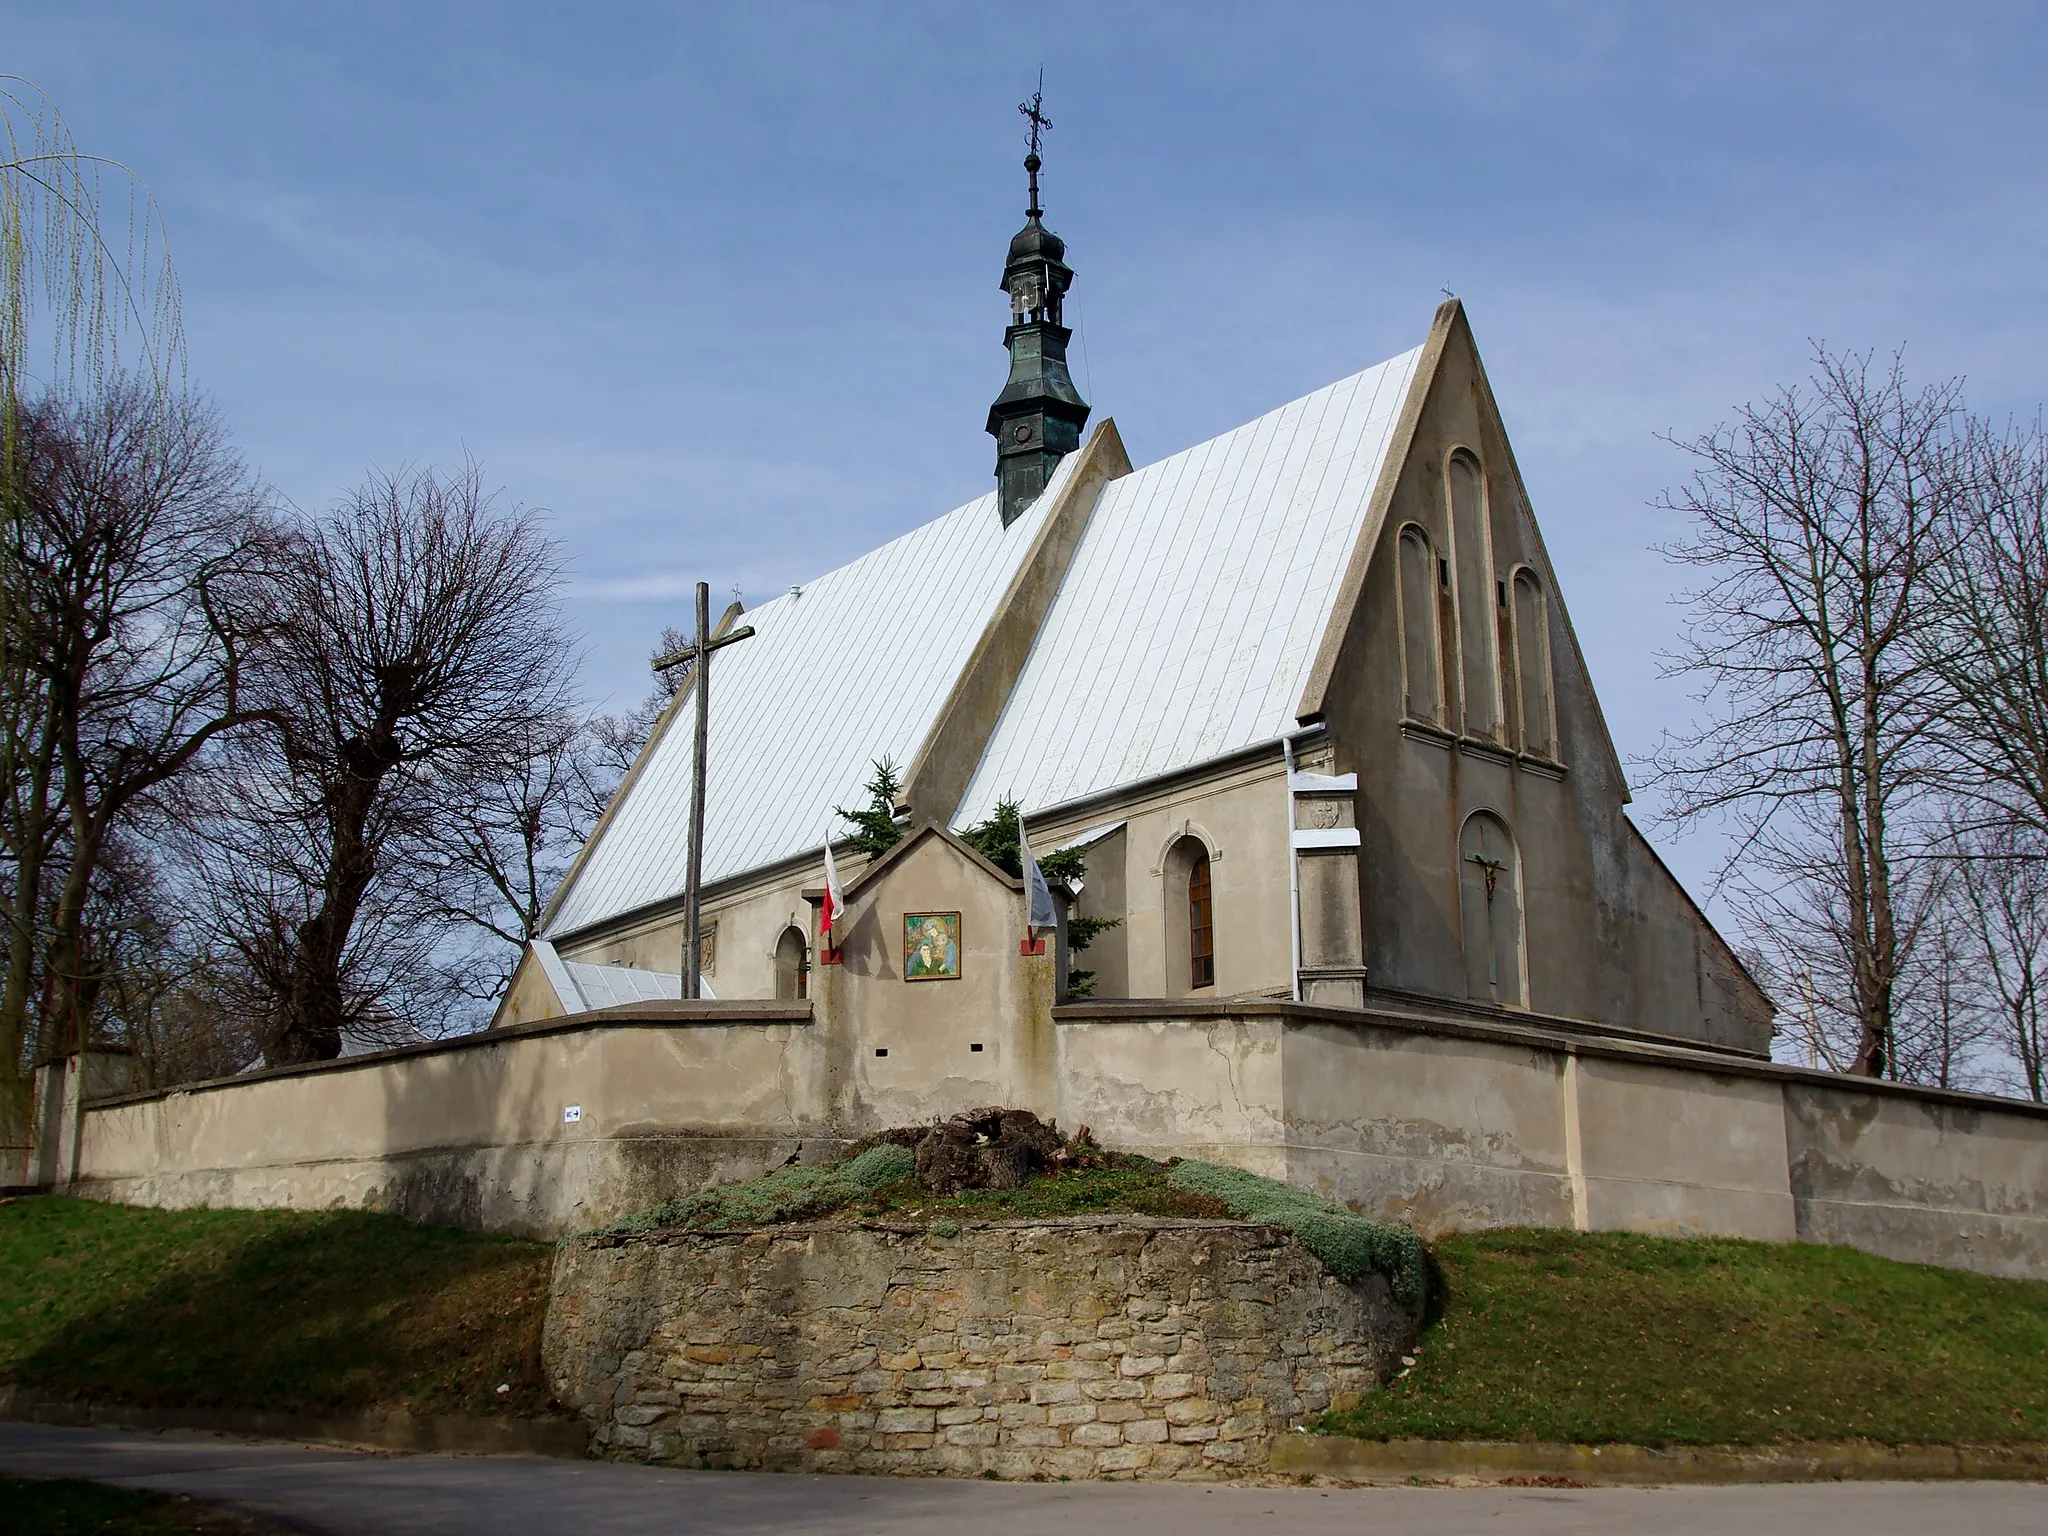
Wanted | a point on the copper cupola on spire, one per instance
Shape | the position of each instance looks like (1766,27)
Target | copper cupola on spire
(1037,419)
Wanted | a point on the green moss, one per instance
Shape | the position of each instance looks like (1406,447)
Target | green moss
(1349,1246)
(1592,1337)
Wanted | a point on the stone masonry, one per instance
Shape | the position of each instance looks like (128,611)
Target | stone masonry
(1086,1347)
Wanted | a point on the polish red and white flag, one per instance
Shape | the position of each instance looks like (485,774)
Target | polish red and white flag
(835,903)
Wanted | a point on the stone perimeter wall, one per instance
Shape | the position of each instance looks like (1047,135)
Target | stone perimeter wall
(1083,1348)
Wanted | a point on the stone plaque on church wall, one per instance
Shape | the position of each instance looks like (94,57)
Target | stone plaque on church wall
(931,946)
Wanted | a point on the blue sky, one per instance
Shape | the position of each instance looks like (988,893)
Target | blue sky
(716,286)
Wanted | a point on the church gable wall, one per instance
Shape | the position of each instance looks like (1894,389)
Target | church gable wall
(1605,933)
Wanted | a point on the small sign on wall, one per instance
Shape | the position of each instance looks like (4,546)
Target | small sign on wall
(571,1114)
(931,946)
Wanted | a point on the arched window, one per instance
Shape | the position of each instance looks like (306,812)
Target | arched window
(1490,907)
(1201,926)
(1190,918)
(1532,667)
(792,965)
(1471,545)
(1425,694)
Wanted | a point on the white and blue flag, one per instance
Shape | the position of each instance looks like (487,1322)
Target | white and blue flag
(1040,913)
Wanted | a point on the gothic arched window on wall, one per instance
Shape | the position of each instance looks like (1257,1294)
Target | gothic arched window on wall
(1472,549)
(1490,908)
(792,966)
(1201,926)
(1532,667)
(1190,918)
(1424,698)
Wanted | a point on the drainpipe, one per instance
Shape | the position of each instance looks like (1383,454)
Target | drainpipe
(1293,877)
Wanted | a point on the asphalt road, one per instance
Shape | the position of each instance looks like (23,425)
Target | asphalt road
(331,1492)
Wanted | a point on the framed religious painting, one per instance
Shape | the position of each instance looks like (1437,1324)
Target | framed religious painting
(931,946)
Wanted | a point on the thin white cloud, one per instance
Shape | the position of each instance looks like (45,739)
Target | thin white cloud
(661,586)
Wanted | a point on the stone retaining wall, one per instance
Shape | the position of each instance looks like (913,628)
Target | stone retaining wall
(1090,1347)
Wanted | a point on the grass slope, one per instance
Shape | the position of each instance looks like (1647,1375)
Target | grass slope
(298,1312)
(1593,1337)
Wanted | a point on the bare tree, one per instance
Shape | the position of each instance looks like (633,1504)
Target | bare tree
(162,993)
(1988,643)
(1818,519)
(2002,883)
(417,663)
(505,847)
(141,551)
(1941,1034)
(612,743)
(81,289)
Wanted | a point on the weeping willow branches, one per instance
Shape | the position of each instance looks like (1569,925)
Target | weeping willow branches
(86,283)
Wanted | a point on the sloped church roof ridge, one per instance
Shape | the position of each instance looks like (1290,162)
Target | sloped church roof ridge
(1253,525)
(1195,601)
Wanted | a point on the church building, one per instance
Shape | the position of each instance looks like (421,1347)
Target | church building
(1307,696)
(1302,713)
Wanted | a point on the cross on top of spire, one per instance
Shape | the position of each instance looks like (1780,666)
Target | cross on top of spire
(1034,110)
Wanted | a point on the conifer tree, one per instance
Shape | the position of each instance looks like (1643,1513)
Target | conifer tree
(874,824)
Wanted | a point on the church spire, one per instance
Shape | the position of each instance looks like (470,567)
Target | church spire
(1037,419)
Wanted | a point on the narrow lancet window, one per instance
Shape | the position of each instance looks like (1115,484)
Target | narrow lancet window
(1532,662)
(1490,908)
(1201,933)
(1479,667)
(1418,627)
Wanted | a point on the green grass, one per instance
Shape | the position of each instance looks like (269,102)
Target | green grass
(877,1184)
(63,1507)
(1561,1336)
(1132,1186)
(786,1194)
(297,1312)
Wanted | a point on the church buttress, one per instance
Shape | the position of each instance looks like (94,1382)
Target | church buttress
(1037,419)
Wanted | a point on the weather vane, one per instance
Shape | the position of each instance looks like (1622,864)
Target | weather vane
(1033,109)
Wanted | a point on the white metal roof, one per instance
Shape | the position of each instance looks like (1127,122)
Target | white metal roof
(582,985)
(854,669)
(1195,601)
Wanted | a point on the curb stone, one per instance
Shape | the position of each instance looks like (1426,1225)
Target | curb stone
(1341,1456)
(447,1433)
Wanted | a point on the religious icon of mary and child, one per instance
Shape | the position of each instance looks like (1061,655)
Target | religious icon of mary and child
(931,946)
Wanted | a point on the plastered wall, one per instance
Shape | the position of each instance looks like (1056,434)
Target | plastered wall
(479,1133)
(1453,1126)
(1610,936)
(1442,1124)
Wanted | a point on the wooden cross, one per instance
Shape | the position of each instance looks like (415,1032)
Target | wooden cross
(698,654)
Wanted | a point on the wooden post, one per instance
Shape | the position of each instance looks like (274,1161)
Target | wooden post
(699,655)
(693,887)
